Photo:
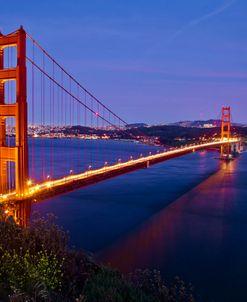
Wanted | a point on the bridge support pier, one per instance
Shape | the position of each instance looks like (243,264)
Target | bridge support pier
(20,211)
(235,148)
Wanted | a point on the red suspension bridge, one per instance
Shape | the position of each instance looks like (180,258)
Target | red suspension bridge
(39,98)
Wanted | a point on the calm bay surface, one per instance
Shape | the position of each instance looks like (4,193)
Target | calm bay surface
(185,217)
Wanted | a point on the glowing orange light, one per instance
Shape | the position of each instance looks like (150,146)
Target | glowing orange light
(38,189)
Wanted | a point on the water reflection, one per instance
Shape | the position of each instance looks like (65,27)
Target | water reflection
(200,236)
(187,238)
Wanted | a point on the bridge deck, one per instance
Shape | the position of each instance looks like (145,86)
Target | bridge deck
(65,184)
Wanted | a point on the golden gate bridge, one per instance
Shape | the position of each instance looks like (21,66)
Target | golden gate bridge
(38,97)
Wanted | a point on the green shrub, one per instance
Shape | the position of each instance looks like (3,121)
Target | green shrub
(151,282)
(36,264)
(108,285)
(17,269)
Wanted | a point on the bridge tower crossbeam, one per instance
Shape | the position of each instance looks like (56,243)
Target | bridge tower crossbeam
(17,109)
(225,131)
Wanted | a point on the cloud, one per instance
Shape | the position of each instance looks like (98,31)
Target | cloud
(203,18)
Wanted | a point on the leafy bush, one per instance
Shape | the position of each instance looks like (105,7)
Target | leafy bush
(150,282)
(36,264)
(108,285)
(17,269)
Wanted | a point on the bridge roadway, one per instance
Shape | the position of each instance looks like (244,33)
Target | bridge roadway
(69,183)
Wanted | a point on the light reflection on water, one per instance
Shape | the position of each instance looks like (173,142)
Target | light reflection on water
(200,237)
(186,217)
(98,215)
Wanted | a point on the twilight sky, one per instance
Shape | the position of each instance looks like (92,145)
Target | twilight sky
(150,61)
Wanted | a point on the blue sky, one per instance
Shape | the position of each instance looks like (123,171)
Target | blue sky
(150,61)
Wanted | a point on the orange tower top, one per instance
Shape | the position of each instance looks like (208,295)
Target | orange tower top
(225,130)
(226,123)
(17,109)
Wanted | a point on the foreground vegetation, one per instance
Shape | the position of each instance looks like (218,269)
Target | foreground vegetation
(36,264)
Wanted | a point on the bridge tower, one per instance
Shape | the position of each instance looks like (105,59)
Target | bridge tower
(17,109)
(225,131)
